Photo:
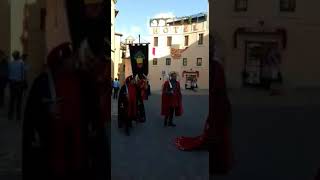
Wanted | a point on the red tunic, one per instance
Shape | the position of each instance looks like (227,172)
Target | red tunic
(132,106)
(67,127)
(142,84)
(174,101)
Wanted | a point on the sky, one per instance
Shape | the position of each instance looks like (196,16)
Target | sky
(134,15)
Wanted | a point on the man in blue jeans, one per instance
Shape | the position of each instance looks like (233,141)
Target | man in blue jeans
(116,87)
(16,82)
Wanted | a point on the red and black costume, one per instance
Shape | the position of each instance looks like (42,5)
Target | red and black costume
(62,104)
(127,104)
(142,95)
(171,101)
(216,135)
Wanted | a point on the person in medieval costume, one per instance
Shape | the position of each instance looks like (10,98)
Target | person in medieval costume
(60,109)
(127,104)
(142,87)
(216,133)
(171,100)
(90,43)
(95,68)
(149,90)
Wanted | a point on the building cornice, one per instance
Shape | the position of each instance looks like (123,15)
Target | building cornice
(118,34)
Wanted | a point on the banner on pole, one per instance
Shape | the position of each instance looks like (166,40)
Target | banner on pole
(139,58)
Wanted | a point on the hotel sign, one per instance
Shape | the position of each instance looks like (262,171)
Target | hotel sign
(178,29)
(160,25)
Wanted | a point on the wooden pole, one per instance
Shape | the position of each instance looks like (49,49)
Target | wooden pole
(139,38)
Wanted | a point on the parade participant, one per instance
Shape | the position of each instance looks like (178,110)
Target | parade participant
(60,109)
(142,95)
(127,104)
(91,16)
(143,86)
(149,90)
(171,100)
(216,136)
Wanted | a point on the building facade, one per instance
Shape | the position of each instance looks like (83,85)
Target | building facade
(246,31)
(5,45)
(22,30)
(124,68)
(117,55)
(180,45)
(113,19)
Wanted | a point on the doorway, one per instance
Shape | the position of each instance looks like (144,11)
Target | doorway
(259,56)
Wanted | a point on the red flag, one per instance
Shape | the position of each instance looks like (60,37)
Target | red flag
(154,51)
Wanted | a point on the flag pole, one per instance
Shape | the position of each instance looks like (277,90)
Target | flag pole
(139,39)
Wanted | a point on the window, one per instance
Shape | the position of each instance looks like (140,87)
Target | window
(155,61)
(184,61)
(200,42)
(168,61)
(287,5)
(169,41)
(199,61)
(155,41)
(186,40)
(241,5)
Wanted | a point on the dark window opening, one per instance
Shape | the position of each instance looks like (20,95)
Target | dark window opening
(199,61)
(241,5)
(169,41)
(168,61)
(155,41)
(287,5)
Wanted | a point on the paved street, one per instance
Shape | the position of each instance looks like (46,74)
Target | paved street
(150,153)
(275,140)
(10,148)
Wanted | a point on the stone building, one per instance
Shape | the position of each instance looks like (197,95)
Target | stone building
(245,31)
(179,44)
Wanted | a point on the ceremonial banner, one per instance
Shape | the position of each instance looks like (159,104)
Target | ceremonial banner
(139,58)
